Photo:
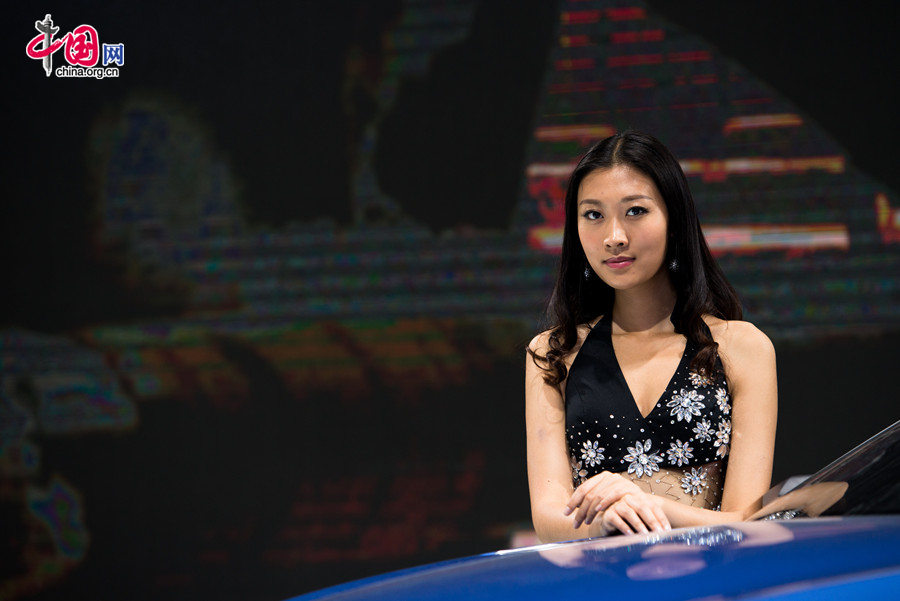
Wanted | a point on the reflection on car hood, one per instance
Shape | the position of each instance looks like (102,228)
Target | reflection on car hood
(722,562)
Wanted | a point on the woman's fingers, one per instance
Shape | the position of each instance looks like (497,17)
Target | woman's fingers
(613,521)
(602,491)
(644,509)
(577,497)
(580,502)
(630,515)
(583,490)
(662,517)
(586,496)
(593,510)
(635,513)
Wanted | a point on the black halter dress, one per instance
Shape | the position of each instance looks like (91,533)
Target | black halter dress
(679,449)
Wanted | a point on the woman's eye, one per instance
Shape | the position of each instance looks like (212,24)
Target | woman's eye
(592,215)
(636,210)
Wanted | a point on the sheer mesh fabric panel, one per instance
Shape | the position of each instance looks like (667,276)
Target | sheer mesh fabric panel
(668,483)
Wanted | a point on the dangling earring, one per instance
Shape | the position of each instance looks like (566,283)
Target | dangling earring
(587,272)
(671,250)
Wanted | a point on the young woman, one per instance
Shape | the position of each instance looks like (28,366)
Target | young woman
(649,388)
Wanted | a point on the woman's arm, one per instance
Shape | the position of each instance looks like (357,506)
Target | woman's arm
(549,473)
(754,402)
(749,359)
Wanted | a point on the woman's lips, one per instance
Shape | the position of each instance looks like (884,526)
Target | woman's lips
(619,263)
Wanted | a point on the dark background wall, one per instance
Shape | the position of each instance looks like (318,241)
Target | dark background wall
(266,291)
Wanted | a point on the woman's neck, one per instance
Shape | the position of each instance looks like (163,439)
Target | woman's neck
(646,309)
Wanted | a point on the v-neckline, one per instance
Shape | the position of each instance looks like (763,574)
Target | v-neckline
(607,325)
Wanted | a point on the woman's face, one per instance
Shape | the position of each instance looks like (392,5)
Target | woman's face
(622,225)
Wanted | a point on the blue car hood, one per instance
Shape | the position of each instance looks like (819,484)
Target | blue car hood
(752,560)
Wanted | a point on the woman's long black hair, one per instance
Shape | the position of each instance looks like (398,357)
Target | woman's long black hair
(700,285)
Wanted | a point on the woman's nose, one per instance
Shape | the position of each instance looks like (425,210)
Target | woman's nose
(615,237)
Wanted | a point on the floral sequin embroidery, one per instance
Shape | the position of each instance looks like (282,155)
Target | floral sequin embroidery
(722,399)
(686,404)
(679,453)
(642,460)
(703,431)
(591,453)
(723,437)
(694,481)
(579,473)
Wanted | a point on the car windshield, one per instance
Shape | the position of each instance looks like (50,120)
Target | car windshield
(864,481)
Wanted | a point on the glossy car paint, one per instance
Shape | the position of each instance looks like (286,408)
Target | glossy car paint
(834,557)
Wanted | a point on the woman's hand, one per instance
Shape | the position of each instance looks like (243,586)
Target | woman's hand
(596,494)
(606,489)
(632,513)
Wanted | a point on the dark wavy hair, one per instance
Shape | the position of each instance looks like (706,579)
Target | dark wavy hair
(700,285)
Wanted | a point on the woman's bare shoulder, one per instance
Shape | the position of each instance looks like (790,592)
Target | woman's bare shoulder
(739,339)
(541,343)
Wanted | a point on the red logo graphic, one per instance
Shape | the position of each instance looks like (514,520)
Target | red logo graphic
(81,46)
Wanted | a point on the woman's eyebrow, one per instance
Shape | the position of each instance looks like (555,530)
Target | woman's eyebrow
(629,198)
